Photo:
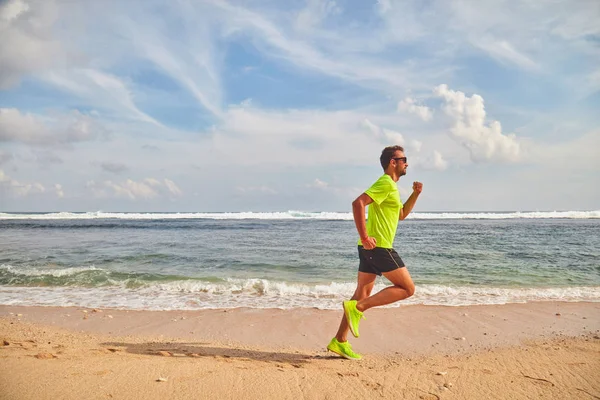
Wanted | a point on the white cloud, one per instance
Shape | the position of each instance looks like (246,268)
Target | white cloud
(374,129)
(321,186)
(28,43)
(173,188)
(15,126)
(433,161)
(15,188)
(305,137)
(581,153)
(318,184)
(503,51)
(191,58)
(484,140)
(438,161)
(390,136)
(100,89)
(292,137)
(314,13)
(415,145)
(384,6)
(409,105)
(148,188)
(12,9)
(331,53)
(32,129)
(59,191)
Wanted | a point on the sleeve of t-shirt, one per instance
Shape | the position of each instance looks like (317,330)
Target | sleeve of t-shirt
(380,190)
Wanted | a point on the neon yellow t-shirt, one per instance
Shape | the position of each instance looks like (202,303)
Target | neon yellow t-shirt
(384,211)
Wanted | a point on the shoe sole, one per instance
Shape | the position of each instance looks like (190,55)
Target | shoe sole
(343,355)
(348,321)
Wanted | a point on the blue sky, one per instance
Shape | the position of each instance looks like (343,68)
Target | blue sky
(272,106)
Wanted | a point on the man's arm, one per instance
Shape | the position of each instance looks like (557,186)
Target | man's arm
(410,203)
(358,209)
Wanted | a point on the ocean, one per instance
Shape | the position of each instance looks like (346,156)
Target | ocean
(177,261)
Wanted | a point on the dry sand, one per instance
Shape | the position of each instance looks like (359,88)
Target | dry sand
(519,351)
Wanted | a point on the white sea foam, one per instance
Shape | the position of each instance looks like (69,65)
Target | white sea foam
(56,272)
(257,293)
(299,215)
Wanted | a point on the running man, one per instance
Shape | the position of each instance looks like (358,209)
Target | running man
(375,248)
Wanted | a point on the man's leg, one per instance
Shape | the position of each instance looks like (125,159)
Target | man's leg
(364,286)
(402,289)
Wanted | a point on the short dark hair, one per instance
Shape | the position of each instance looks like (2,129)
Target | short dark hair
(387,154)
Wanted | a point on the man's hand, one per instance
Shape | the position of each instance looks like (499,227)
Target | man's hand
(369,243)
(417,187)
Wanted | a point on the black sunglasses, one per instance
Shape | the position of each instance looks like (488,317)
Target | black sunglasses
(404,159)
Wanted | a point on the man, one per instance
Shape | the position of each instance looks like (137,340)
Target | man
(375,248)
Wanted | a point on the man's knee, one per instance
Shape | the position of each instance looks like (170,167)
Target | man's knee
(409,289)
(361,293)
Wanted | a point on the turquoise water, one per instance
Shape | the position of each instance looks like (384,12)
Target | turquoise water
(170,261)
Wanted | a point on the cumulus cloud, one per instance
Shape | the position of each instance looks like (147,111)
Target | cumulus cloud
(484,140)
(32,129)
(410,106)
(15,188)
(146,189)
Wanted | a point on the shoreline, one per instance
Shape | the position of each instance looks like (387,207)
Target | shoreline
(422,329)
(517,351)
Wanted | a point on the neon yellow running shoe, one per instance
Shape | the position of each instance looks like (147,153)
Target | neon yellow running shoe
(343,349)
(353,316)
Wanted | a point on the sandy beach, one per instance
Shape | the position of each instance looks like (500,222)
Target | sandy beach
(516,351)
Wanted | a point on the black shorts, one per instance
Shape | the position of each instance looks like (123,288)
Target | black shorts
(378,260)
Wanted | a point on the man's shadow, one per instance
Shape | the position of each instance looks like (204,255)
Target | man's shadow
(203,350)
